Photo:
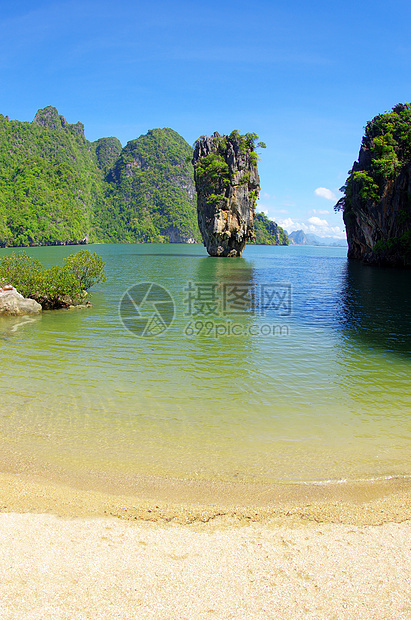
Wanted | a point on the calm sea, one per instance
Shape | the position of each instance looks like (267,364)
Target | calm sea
(288,365)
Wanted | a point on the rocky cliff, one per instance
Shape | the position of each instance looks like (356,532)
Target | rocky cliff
(227,184)
(377,195)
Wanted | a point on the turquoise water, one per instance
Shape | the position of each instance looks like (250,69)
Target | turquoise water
(288,365)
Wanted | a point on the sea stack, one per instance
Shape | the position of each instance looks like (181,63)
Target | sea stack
(227,184)
(377,195)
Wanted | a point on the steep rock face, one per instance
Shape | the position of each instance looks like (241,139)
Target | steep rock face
(377,202)
(227,183)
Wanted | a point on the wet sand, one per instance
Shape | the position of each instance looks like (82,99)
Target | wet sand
(332,551)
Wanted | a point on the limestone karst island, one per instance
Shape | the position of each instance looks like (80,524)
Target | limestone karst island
(57,188)
(376,204)
(227,183)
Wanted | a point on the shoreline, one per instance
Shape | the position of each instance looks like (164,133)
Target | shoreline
(71,553)
(189,501)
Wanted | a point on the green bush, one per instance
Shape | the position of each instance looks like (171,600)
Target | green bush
(22,271)
(55,287)
(87,268)
(369,188)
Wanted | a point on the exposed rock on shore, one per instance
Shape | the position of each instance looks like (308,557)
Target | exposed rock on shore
(377,202)
(12,303)
(227,183)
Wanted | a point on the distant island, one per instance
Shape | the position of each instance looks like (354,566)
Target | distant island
(299,237)
(268,232)
(57,188)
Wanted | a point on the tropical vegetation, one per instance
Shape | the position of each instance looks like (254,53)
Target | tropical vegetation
(379,181)
(387,139)
(56,187)
(268,232)
(56,287)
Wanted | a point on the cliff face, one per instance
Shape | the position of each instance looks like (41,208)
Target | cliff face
(377,202)
(227,184)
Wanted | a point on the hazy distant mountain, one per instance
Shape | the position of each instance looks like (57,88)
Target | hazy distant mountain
(298,237)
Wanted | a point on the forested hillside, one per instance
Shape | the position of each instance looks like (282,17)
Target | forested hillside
(56,187)
(268,232)
(152,195)
(50,185)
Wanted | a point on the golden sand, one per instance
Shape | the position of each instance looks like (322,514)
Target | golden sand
(195,551)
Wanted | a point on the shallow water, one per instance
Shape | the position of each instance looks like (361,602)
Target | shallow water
(288,365)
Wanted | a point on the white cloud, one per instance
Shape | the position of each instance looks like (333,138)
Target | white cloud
(313,225)
(320,211)
(288,224)
(325,193)
(316,221)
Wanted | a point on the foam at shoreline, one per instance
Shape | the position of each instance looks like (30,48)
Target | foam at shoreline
(179,501)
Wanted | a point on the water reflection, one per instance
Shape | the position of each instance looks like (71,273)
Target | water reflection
(217,298)
(376,307)
(81,391)
(10,325)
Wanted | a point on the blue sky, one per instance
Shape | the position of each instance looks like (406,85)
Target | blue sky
(306,76)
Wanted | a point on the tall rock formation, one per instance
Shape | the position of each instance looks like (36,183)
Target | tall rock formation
(377,202)
(227,184)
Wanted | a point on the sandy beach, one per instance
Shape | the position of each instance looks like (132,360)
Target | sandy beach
(69,553)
